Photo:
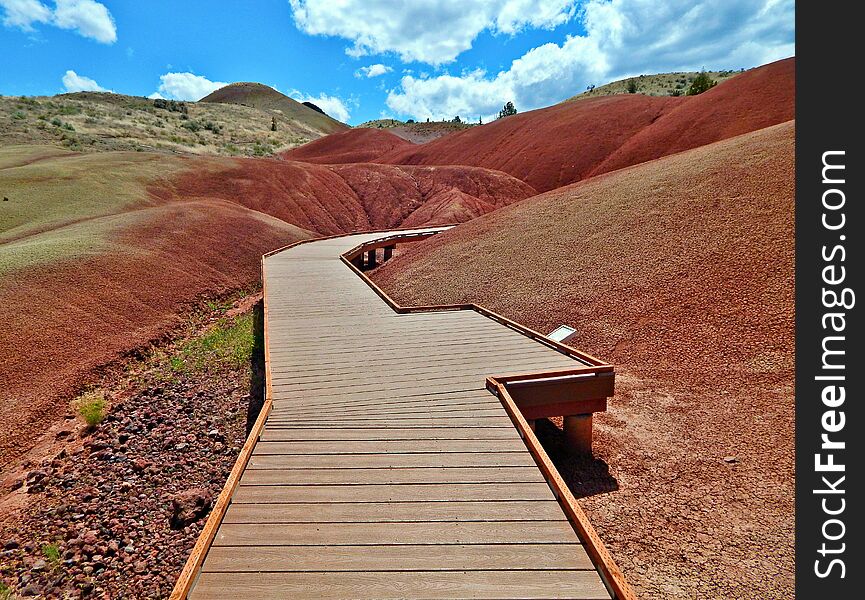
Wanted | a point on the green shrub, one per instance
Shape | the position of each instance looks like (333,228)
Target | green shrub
(56,122)
(192,126)
(632,86)
(91,407)
(701,83)
(507,110)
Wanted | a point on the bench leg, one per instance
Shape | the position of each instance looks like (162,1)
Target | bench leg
(578,431)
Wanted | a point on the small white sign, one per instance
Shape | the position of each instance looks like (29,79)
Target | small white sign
(561,332)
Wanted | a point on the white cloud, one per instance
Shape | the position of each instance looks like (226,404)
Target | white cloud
(430,31)
(88,18)
(373,70)
(186,86)
(332,105)
(623,38)
(73,82)
(23,13)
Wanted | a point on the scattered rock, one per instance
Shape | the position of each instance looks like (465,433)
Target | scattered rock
(189,506)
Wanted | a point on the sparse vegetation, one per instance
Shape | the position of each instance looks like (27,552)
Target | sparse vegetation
(91,407)
(507,110)
(192,126)
(660,84)
(5,591)
(701,83)
(170,105)
(229,343)
(114,122)
(51,552)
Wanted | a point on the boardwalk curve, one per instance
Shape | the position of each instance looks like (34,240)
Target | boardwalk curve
(381,465)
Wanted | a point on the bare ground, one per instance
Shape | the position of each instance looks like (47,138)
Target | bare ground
(92,515)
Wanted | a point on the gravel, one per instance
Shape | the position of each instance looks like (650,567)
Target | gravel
(125,504)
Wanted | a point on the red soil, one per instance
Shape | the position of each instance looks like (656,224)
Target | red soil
(680,271)
(205,236)
(562,144)
(71,317)
(748,102)
(546,148)
(342,198)
(352,146)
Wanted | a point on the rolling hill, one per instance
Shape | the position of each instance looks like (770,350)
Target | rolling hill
(103,251)
(658,84)
(354,145)
(562,144)
(263,97)
(99,122)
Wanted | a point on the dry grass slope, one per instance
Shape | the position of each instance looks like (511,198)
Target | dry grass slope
(660,84)
(97,122)
(262,97)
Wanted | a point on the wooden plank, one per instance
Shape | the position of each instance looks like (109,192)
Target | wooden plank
(433,585)
(349,378)
(386,387)
(392,476)
(408,511)
(432,492)
(391,461)
(478,345)
(406,397)
(294,559)
(392,412)
(402,421)
(372,434)
(500,361)
(352,359)
(360,534)
(388,446)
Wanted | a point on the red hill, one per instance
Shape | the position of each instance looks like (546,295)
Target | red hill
(679,271)
(562,144)
(755,99)
(546,148)
(352,146)
(329,199)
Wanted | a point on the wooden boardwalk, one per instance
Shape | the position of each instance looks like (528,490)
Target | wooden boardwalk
(385,469)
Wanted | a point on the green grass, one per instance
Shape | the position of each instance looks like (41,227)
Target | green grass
(51,552)
(5,592)
(229,343)
(91,407)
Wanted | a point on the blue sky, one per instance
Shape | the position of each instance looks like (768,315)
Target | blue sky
(365,59)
